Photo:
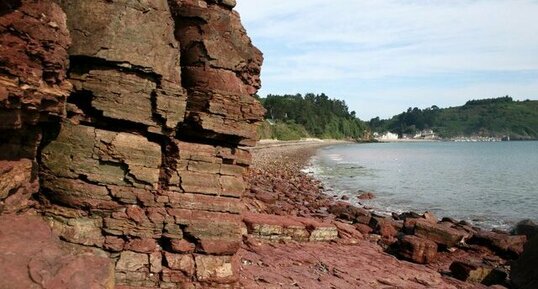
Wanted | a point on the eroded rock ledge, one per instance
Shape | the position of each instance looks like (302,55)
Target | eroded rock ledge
(120,124)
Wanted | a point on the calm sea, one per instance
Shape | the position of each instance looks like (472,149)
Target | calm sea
(491,184)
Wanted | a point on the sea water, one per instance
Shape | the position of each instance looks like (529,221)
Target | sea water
(490,184)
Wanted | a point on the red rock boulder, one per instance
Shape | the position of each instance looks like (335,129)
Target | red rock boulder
(417,249)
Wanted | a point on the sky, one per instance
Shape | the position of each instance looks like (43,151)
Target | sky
(383,56)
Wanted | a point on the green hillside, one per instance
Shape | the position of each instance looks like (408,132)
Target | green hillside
(314,115)
(496,117)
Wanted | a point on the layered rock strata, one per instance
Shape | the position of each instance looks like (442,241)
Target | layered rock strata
(33,89)
(136,143)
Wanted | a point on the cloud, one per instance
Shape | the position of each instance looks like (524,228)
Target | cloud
(345,46)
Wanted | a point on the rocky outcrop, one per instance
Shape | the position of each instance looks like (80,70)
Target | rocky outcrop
(219,72)
(134,147)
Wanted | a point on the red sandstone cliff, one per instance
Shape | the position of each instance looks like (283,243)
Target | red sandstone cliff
(120,125)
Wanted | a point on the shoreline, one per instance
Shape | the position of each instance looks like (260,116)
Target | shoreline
(279,187)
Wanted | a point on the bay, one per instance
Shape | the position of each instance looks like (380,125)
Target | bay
(490,184)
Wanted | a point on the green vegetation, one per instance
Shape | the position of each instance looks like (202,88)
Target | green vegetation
(294,116)
(496,117)
(282,131)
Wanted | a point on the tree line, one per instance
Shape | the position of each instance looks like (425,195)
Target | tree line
(312,115)
(495,117)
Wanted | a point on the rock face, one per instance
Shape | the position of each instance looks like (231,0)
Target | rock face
(134,147)
(220,72)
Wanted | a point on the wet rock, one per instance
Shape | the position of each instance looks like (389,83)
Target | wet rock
(349,212)
(417,249)
(442,235)
(405,215)
(366,196)
(430,217)
(527,228)
(524,272)
(512,246)
(449,220)
(477,273)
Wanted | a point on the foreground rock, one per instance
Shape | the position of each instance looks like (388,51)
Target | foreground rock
(31,256)
(331,265)
(524,272)
(477,273)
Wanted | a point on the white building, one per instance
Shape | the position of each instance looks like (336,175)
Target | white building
(388,136)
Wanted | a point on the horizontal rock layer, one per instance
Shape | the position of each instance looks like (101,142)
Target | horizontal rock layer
(120,123)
